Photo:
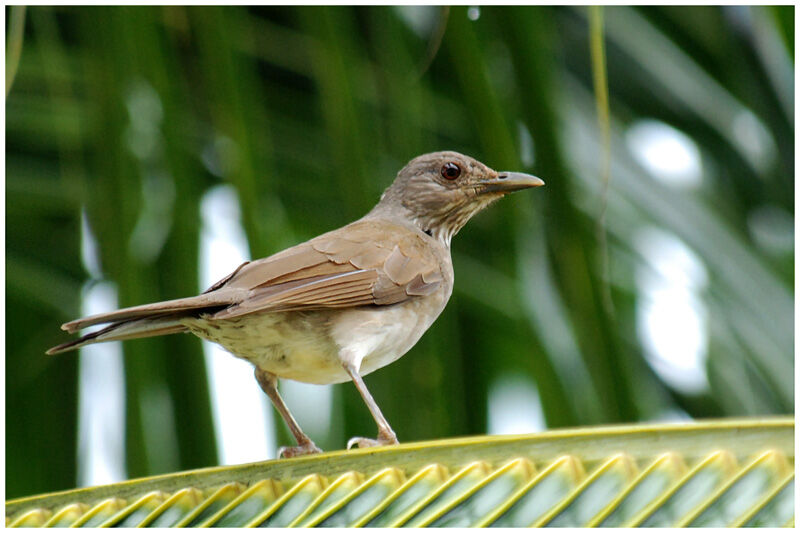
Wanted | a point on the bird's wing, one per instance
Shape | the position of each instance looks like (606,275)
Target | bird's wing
(345,268)
(365,263)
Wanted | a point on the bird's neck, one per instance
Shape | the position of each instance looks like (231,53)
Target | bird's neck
(402,215)
(440,233)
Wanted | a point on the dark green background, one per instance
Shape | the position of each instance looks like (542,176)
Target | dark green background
(322,106)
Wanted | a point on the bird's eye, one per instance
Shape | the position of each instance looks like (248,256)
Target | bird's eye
(451,171)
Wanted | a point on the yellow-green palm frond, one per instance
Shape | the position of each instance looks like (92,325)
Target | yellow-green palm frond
(715,473)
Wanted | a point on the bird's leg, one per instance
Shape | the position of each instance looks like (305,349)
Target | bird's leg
(385,433)
(269,384)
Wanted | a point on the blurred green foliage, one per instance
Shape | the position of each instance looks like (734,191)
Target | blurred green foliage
(309,113)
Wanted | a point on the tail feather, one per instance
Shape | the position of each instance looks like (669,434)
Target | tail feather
(215,300)
(120,331)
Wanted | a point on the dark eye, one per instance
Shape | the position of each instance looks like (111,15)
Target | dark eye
(451,171)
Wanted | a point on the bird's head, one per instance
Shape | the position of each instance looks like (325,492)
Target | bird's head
(441,191)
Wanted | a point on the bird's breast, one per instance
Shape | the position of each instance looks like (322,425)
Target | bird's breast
(374,337)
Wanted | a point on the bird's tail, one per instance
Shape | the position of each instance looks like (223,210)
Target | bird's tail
(162,318)
(120,331)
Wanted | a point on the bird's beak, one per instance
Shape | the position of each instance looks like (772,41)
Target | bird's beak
(510,182)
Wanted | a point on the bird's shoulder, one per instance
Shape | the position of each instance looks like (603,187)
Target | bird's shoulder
(371,242)
(396,260)
(407,261)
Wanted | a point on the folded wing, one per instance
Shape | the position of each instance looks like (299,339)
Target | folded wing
(345,268)
(348,267)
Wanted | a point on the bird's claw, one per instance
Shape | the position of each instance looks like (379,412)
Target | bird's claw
(382,440)
(308,448)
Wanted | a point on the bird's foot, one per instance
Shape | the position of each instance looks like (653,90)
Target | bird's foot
(384,439)
(307,448)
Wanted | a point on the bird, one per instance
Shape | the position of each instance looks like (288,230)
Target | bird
(341,305)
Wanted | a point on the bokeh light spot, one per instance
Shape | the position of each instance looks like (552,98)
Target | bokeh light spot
(668,154)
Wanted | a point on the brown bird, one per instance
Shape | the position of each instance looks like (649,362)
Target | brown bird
(341,305)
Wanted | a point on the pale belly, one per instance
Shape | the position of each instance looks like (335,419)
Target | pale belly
(309,346)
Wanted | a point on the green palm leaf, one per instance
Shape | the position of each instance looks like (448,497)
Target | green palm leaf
(716,473)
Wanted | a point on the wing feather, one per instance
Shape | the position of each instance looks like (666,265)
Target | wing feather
(319,292)
(419,287)
(365,263)
(370,257)
(346,267)
(264,271)
(328,268)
